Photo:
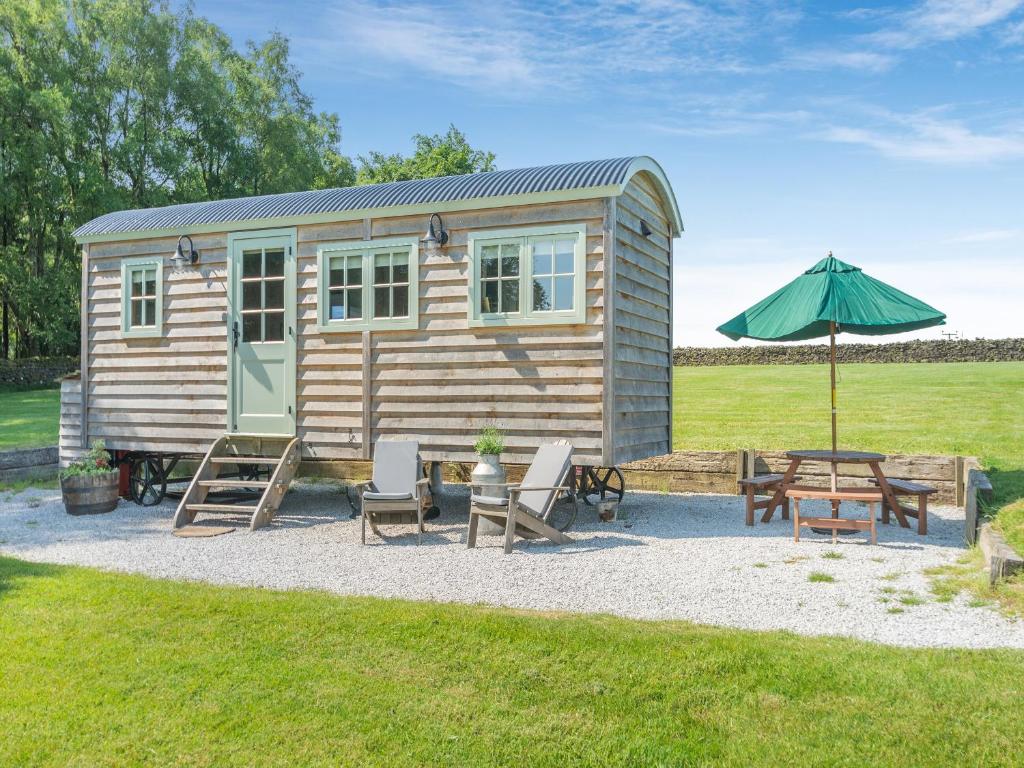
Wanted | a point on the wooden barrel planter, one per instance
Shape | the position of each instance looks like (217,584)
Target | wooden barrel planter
(90,494)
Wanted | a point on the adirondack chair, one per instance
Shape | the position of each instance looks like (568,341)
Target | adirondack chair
(396,494)
(526,510)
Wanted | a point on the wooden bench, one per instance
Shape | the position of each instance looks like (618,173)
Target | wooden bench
(870,496)
(908,488)
(760,484)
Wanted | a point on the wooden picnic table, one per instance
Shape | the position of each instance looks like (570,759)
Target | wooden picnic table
(835,458)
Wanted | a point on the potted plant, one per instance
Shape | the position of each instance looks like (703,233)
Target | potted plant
(488,476)
(89,486)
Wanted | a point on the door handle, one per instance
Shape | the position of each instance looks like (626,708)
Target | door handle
(234,333)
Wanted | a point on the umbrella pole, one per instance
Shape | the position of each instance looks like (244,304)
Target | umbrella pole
(832,371)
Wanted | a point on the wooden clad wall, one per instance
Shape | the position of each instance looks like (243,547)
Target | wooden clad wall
(69,439)
(167,393)
(441,383)
(438,384)
(642,336)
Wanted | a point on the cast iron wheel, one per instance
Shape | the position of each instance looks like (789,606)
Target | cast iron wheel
(147,481)
(562,514)
(600,483)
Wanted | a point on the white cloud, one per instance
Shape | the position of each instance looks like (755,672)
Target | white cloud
(922,136)
(944,20)
(831,58)
(988,236)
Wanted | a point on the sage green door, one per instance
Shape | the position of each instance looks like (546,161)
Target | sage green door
(261,333)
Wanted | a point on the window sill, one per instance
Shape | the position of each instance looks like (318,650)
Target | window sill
(147,333)
(341,326)
(569,318)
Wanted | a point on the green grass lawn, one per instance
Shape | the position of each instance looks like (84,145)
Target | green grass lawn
(29,418)
(104,669)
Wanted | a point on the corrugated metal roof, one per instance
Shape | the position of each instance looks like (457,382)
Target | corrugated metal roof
(520,181)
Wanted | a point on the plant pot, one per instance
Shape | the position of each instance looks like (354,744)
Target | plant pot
(90,494)
(488,479)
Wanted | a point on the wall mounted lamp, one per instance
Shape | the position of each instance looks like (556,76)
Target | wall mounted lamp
(183,258)
(435,237)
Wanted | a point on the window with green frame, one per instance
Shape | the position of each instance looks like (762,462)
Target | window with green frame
(141,297)
(368,285)
(528,276)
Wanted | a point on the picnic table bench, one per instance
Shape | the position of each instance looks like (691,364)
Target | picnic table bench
(909,488)
(870,496)
(759,484)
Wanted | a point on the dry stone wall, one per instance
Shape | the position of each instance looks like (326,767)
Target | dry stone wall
(932,351)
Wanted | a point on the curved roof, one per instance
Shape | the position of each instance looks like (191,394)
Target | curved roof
(594,178)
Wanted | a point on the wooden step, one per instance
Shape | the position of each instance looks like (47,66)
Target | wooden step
(234,483)
(241,508)
(268,460)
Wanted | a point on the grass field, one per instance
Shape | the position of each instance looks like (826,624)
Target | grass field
(29,418)
(105,669)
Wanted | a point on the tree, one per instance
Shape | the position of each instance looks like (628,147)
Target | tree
(113,104)
(438,155)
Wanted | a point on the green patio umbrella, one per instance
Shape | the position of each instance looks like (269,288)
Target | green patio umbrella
(832,297)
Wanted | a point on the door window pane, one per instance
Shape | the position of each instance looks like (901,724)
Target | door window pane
(274,263)
(137,289)
(251,327)
(149,312)
(273,326)
(136,313)
(252,263)
(336,305)
(149,282)
(251,295)
(273,294)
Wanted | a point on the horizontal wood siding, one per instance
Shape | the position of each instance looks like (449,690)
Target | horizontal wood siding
(167,393)
(438,384)
(441,383)
(642,371)
(69,439)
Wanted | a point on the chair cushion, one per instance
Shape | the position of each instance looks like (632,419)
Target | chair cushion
(395,466)
(376,496)
(494,501)
(550,467)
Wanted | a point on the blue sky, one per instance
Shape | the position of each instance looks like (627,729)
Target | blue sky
(890,133)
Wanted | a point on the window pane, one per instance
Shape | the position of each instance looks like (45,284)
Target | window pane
(400,297)
(251,295)
(336,305)
(400,267)
(136,314)
(336,271)
(136,282)
(355,303)
(150,278)
(252,263)
(489,261)
(355,271)
(381,268)
(251,327)
(274,294)
(563,292)
(542,294)
(489,296)
(275,263)
(541,262)
(274,326)
(509,260)
(509,295)
(564,262)
(382,302)
(149,317)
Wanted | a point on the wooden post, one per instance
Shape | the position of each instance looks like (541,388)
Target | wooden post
(83,363)
(608,326)
(832,373)
(367,395)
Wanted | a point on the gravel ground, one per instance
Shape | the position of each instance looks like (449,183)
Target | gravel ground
(681,557)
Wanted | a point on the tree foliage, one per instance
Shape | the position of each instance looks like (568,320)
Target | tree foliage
(439,155)
(114,104)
